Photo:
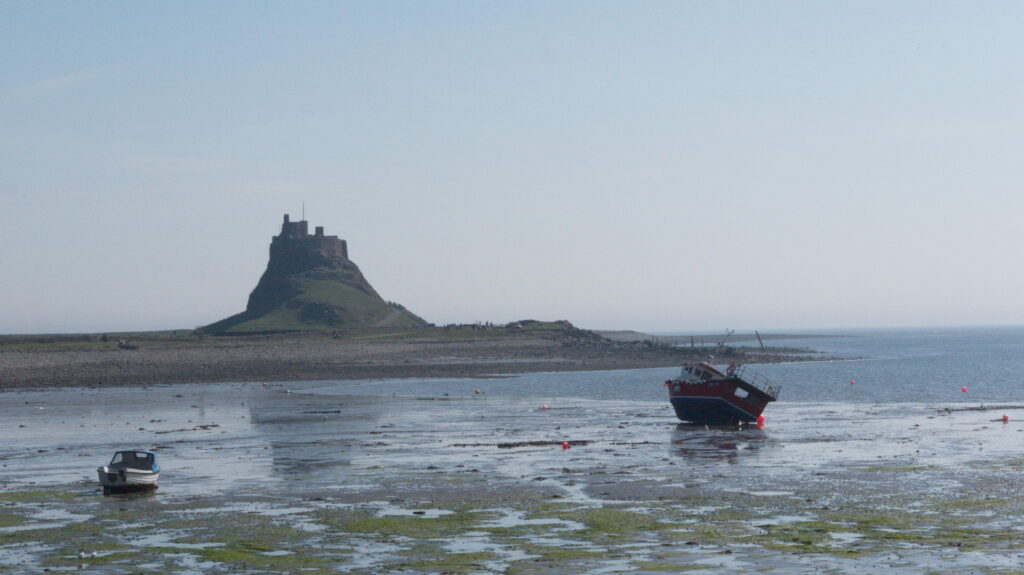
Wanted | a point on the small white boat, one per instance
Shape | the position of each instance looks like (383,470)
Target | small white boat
(129,471)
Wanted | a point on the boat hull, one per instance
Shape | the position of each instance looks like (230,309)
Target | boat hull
(119,480)
(710,411)
(727,401)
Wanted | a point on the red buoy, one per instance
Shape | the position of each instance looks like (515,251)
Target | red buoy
(1006,419)
(852,382)
(565,445)
(543,407)
(760,419)
(963,389)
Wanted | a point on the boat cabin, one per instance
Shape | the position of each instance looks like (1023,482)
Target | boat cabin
(134,460)
(699,372)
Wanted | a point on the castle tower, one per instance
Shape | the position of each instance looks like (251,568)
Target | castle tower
(294,238)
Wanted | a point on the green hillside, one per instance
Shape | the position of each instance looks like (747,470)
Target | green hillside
(320,305)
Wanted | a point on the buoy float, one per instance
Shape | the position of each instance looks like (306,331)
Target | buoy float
(963,389)
(1006,419)
(543,407)
(852,382)
(760,419)
(565,445)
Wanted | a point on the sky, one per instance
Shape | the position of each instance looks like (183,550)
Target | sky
(624,165)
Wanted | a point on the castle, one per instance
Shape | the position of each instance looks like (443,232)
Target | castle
(295,238)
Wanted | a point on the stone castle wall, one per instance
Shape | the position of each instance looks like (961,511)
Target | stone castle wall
(295,238)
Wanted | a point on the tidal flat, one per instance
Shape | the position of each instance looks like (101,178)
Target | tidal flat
(305,478)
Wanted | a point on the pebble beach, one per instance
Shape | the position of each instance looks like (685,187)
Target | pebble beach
(290,358)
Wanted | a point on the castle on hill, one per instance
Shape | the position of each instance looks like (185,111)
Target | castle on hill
(295,236)
(310,284)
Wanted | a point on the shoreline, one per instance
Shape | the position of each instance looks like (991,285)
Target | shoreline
(295,357)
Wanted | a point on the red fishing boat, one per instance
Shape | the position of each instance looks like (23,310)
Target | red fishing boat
(703,395)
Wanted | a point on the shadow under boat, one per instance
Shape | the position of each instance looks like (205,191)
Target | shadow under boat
(723,442)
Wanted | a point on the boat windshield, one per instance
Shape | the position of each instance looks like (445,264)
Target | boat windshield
(133,459)
(696,372)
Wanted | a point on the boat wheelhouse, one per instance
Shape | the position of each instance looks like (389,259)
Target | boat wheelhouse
(129,470)
(704,395)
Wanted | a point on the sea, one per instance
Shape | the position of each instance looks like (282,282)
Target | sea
(922,365)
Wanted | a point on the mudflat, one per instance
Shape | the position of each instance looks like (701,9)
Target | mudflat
(307,478)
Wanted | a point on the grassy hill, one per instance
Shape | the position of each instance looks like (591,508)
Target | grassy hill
(319,305)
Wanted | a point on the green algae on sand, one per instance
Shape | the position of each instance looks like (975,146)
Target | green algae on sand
(411,526)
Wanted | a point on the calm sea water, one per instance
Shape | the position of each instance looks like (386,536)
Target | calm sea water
(887,366)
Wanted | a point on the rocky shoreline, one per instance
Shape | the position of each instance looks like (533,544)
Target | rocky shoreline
(56,362)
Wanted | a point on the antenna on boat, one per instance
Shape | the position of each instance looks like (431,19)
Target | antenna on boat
(721,344)
(759,339)
(303,210)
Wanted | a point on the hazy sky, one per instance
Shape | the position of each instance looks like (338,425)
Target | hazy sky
(648,165)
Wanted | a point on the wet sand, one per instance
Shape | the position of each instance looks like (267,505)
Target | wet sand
(301,478)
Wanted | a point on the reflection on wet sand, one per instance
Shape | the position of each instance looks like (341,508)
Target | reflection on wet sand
(312,435)
(718,443)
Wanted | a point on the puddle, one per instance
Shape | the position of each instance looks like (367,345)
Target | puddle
(845,539)
(511,519)
(387,509)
